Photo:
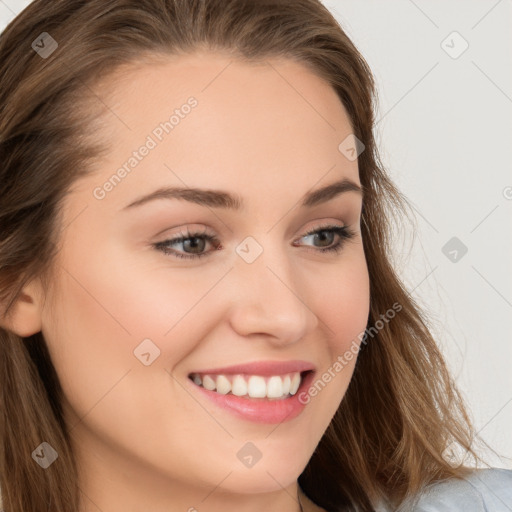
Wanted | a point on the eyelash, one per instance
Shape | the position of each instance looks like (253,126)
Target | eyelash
(344,233)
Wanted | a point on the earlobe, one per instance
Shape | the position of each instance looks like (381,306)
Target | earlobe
(24,317)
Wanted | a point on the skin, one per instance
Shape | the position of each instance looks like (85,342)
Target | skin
(144,439)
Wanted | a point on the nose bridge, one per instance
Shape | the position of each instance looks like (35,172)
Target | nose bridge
(268,299)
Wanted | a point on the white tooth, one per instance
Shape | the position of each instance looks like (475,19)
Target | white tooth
(239,387)
(295,382)
(257,387)
(197,380)
(286,385)
(274,387)
(223,385)
(208,383)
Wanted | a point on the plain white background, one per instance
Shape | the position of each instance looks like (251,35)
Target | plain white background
(445,133)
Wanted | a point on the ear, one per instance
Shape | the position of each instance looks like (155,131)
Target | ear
(25,315)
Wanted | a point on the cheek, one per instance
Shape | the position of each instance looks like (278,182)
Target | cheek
(88,337)
(106,307)
(343,308)
(102,314)
(345,303)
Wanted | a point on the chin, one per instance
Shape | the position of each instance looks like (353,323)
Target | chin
(249,482)
(269,474)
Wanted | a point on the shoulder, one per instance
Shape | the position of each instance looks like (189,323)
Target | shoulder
(482,491)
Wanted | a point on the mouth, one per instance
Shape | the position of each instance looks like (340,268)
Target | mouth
(252,386)
(260,391)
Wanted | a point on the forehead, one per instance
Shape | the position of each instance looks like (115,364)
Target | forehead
(214,121)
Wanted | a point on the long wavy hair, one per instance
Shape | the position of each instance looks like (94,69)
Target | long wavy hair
(402,410)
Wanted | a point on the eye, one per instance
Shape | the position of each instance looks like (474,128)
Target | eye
(197,241)
(342,232)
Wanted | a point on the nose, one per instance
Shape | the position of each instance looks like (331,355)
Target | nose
(271,301)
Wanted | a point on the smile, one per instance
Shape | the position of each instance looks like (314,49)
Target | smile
(251,386)
(256,398)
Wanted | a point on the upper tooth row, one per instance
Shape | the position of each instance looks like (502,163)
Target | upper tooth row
(255,386)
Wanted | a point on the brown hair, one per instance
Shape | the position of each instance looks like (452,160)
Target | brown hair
(401,410)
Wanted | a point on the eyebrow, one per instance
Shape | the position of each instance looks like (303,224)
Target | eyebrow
(226,200)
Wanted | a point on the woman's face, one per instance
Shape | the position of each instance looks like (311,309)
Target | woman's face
(131,324)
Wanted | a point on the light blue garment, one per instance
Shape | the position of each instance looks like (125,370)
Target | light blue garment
(485,490)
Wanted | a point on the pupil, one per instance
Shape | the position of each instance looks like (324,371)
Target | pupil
(194,244)
(322,235)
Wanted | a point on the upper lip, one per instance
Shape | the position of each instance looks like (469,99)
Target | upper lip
(261,368)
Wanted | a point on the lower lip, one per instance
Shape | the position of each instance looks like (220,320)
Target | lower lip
(262,410)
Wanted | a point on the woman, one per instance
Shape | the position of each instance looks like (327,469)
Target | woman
(198,309)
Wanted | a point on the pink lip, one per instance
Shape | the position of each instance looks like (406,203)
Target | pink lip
(263,368)
(261,410)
